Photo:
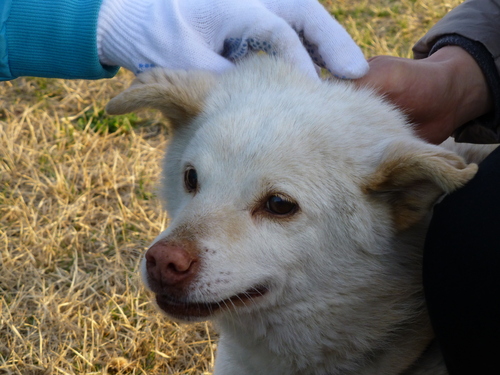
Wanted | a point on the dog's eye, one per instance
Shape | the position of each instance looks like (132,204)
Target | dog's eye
(280,206)
(191,179)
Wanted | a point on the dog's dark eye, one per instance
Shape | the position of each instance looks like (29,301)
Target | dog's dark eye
(280,206)
(191,179)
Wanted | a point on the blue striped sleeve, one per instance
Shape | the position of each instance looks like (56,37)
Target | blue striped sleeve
(53,38)
(4,59)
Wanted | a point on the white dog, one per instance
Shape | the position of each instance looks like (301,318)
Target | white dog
(298,211)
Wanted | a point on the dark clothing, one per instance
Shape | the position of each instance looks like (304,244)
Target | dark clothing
(461,273)
(462,252)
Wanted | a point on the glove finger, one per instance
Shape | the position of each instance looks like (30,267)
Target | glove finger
(275,37)
(331,46)
(206,59)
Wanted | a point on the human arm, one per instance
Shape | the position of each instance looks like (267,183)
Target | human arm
(449,89)
(439,93)
(82,39)
(55,38)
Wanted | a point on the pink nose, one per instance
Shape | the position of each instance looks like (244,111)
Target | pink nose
(171,266)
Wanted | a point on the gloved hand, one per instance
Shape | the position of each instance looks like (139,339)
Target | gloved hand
(212,34)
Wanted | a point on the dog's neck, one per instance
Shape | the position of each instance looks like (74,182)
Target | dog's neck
(278,347)
(335,335)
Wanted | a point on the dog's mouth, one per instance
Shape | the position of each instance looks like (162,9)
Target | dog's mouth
(185,310)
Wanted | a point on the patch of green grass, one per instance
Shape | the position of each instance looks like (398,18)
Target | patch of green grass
(143,190)
(101,122)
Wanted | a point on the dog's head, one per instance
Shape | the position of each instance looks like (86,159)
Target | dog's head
(279,187)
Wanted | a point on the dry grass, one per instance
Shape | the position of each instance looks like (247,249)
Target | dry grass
(77,209)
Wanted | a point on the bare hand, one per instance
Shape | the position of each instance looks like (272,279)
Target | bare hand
(439,93)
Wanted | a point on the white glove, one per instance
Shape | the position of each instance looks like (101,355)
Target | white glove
(212,34)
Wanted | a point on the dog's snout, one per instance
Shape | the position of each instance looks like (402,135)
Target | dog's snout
(170,266)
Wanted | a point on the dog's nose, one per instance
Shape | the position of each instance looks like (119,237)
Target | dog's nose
(170,265)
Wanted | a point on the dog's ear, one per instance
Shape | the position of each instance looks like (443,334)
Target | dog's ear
(413,175)
(179,95)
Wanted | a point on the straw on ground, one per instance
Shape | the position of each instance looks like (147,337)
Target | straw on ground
(78,208)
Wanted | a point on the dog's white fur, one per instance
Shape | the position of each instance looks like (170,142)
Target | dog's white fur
(342,273)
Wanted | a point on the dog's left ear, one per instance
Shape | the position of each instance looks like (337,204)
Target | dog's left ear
(178,94)
(413,175)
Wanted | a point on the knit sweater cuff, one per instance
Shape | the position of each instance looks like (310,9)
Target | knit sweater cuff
(56,39)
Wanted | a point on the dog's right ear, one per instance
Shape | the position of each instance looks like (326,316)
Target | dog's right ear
(178,94)
(412,176)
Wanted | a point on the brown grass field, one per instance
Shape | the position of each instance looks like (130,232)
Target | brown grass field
(78,208)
